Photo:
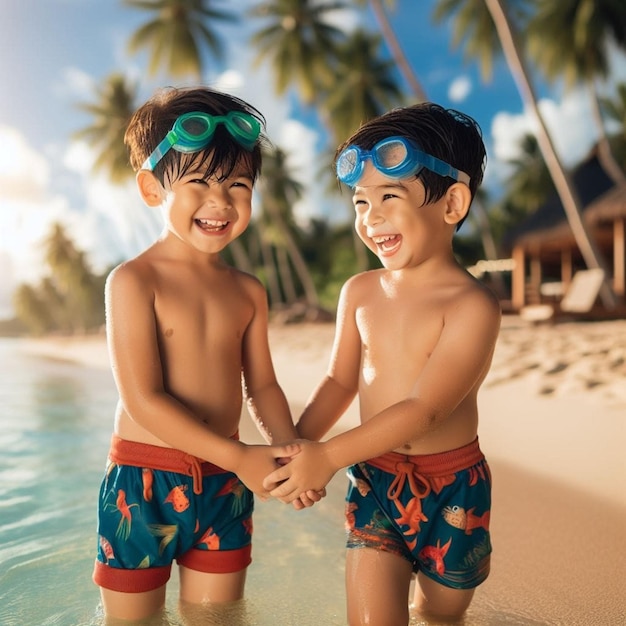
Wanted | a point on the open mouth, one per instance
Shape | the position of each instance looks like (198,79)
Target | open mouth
(211,226)
(387,244)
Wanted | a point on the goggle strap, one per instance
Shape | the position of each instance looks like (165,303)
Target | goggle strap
(160,151)
(442,168)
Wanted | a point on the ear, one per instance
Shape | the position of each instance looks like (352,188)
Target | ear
(458,200)
(150,188)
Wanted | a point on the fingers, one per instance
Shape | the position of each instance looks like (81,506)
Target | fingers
(316,496)
(304,500)
(272,481)
(285,451)
(285,492)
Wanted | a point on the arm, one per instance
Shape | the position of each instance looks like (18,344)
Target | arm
(137,369)
(265,398)
(456,366)
(338,388)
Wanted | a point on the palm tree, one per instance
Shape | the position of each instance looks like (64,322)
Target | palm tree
(579,53)
(530,184)
(278,194)
(112,108)
(32,310)
(300,43)
(378,7)
(502,31)
(615,111)
(364,85)
(178,34)
(79,291)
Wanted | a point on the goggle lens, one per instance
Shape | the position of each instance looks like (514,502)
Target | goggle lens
(193,132)
(194,127)
(390,155)
(395,157)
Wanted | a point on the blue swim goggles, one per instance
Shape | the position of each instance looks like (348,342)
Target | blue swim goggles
(193,132)
(395,157)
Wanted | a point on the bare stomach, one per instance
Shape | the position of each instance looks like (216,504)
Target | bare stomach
(126,428)
(456,431)
(433,444)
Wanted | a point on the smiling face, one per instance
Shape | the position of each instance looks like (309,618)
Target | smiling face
(204,213)
(393,221)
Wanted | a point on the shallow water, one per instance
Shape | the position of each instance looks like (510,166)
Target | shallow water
(54,435)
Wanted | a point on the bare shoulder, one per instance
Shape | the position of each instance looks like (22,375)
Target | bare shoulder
(475,304)
(250,284)
(136,274)
(361,284)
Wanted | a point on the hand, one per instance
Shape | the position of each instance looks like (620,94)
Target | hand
(308,471)
(257,461)
(308,499)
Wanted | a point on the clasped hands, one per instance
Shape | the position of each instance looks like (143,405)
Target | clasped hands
(301,478)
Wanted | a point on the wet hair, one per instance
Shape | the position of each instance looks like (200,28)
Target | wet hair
(446,134)
(154,119)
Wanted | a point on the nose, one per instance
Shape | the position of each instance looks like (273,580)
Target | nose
(218,196)
(371,216)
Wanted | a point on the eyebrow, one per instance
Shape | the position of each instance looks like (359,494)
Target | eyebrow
(396,185)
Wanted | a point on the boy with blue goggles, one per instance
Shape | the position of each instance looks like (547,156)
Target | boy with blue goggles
(395,157)
(194,131)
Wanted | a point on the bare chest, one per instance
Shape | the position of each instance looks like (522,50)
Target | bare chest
(397,337)
(203,316)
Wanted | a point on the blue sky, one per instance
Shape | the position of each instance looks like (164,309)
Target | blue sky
(53,52)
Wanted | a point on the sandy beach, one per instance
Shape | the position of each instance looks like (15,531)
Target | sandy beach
(553,414)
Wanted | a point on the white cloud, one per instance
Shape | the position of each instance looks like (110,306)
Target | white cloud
(24,173)
(110,223)
(75,82)
(79,158)
(460,88)
(569,123)
(299,142)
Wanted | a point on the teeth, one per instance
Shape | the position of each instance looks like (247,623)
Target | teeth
(212,223)
(384,239)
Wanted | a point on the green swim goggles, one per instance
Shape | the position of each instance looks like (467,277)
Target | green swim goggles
(395,157)
(193,132)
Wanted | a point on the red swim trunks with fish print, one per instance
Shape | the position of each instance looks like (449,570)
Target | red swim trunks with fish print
(160,504)
(432,510)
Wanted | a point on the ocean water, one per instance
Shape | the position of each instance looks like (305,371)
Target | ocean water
(54,434)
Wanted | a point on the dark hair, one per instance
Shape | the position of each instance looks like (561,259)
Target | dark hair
(446,134)
(154,119)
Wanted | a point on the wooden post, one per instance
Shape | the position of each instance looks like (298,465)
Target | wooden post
(567,270)
(518,279)
(619,257)
(535,278)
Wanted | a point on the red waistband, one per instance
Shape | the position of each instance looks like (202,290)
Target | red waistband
(438,464)
(423,473)
(137,454)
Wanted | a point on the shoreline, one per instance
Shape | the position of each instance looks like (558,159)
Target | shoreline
(553,403)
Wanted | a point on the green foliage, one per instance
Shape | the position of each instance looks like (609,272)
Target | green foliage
(111,109)
(69,299)
(177,34)
(348,77)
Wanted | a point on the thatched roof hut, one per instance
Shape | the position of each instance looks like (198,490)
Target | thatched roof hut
(543,246)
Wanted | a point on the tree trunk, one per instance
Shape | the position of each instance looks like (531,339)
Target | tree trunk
(571,203)
(396,51)
(240,256)
(605,155)
(286,278)
(270,271)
